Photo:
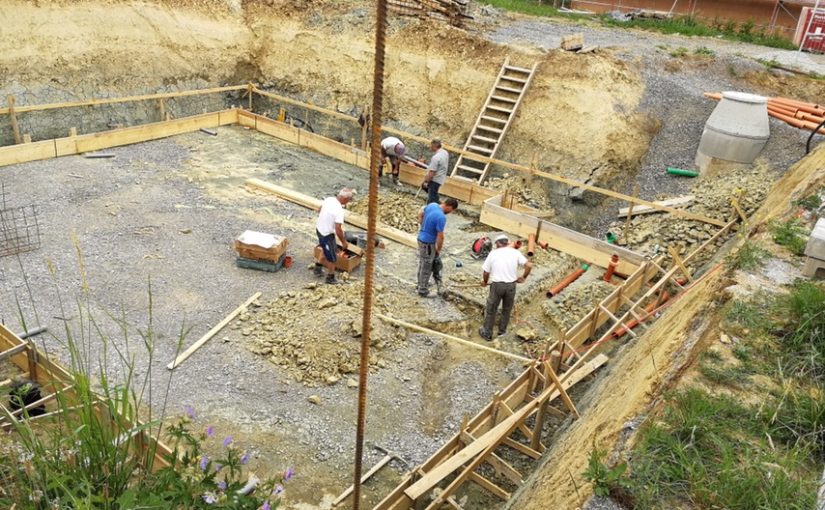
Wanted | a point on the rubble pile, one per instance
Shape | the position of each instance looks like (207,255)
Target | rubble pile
(652,234)
(398,210)
(314,333)
(567,308)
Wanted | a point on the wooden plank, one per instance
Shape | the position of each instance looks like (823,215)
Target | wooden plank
(71,145)
(212,332)
(128,99)
(559,238)
(12,351)
(646,209)
(13,119)
(489,486)
(452,338)
(353,219)
(562,393)
(523,448)
(679,262)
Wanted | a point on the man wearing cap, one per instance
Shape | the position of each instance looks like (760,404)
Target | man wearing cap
(501,272)
(392,148)
(433,219)
(329,226)
(436,171)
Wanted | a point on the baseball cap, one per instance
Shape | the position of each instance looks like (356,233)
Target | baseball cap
(502,239)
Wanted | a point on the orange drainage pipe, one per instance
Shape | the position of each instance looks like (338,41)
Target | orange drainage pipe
(545,245)
(531,245)
(572,277)
(611,267)
(649,310)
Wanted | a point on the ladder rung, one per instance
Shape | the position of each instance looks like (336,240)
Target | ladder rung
(505,99)
(490,129)
(464,178)
(476,148)
(508,89)
(518,69)
(493,119)
(497,109)
(485,139)
(511,78)
(470,169)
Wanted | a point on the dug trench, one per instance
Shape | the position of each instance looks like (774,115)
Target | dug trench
(172,207)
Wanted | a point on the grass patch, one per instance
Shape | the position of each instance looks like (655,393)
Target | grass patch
(748,256)
(533,8)
(679,52)
(704,51)
(790,234)
(714,452)
(749,315)
(803,329)
(810,203)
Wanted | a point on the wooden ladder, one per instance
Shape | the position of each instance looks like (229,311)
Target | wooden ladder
(494,120)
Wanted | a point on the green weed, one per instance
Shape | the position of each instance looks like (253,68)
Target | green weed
(679,52)
(749,315)
(748,256)
(704,51)
(810,203)
(803,328)
(604,479)
(790,234)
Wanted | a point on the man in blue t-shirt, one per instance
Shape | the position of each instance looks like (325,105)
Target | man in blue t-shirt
(433,219)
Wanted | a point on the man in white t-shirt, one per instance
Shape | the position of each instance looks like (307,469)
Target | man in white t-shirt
(392,148)
(329,226)
(501,272)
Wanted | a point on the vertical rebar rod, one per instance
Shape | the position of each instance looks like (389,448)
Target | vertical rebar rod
(372,212)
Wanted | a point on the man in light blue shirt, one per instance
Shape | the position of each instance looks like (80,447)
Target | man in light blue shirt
(433,219)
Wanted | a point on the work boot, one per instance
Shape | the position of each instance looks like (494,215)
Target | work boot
(483,334)
(331,280)
(395,180)
(319,270)
(439,288)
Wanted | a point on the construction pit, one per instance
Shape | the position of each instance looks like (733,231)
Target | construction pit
(239,94)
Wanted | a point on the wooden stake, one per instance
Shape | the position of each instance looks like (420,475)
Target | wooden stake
(212,332)
(563,393)
(13,119)
(162,108)
(735,203)
(452,338)
(72,131)
(27,138)
(630,214)
(249,92)
(679,262)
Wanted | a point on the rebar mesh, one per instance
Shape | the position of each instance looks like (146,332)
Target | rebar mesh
(19,227)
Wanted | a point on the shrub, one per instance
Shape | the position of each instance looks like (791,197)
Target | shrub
(604,479)
(790,234)
(748,256)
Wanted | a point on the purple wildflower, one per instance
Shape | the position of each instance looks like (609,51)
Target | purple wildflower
(288,474)
(227,441)
(222,485)
(210,431)
(278,490)
(218,466)
(210,498)
(265,506)
(190,412)
(244,458)
(204,462)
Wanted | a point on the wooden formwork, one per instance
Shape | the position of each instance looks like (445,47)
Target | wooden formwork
(51,375)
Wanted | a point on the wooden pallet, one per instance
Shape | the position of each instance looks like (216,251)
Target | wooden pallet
(502,425)
(494,120)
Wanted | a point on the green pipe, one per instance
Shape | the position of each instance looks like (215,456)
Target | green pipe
(682,172)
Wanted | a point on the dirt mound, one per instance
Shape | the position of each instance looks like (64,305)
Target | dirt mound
(567,308)
(653,233)
(314,333)
(399,210)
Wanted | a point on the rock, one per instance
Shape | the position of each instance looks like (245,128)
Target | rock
(246,331)
(327,303)
(314,399)
(333,379)
(357,327)
(725,339)
(352,383)
(526,334)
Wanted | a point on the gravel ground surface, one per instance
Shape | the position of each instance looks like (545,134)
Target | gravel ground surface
(166,212)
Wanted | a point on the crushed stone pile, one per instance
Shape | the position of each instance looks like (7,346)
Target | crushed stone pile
(314,333)
(398,210)
(567,308)
(652,234)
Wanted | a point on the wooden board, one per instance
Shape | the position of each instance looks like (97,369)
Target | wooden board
(47,149)
(128,99)
(646,209)
(561,239)
(385,231)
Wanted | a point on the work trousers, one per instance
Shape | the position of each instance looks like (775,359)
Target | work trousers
(426,256)
(504,293)
(432,193)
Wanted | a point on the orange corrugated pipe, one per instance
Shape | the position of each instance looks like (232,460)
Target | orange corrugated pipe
(531,245)
(572,277)
(611,267)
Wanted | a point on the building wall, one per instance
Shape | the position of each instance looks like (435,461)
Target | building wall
(760,11)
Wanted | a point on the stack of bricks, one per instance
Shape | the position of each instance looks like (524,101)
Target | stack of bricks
(815,251)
